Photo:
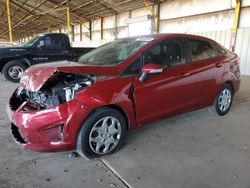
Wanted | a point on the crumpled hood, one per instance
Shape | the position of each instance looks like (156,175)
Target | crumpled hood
(34,77)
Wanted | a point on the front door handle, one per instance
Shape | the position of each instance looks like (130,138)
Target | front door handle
(185,74)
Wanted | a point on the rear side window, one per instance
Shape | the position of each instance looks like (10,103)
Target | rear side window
(57,41)
(47,42)
(201,50)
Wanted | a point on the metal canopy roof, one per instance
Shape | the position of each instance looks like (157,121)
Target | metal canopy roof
(35,16)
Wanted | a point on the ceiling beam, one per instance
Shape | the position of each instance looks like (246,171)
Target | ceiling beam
(24,18)
(99,10)
(21,7)
(109,7)
(82,5)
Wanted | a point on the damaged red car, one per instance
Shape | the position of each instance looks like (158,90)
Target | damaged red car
(89,105)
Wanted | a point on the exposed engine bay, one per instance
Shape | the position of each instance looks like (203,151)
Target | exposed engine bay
(58,89)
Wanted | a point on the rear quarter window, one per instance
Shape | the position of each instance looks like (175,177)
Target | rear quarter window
(220,51)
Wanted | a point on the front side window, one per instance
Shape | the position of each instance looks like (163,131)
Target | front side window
(167,54)
(114,53)
(201,50)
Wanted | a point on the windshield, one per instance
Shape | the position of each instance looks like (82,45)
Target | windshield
(114,53)
(32,41)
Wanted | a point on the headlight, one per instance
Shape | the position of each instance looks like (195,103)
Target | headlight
(70,91)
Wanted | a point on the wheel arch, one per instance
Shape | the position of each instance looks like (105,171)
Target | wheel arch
(113,106)
(22,60)
(78,142)
(25,61)
(122,111)
(229,82)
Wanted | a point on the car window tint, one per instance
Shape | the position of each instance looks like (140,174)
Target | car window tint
(201,50)
(167,54)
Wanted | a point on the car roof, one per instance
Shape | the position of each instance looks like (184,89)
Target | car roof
(168,35)
(47,33)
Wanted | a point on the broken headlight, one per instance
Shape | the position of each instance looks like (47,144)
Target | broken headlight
(60,88)
(70,91)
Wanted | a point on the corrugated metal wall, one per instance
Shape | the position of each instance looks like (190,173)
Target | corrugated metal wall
(242,48)
(221,36)
(206,18)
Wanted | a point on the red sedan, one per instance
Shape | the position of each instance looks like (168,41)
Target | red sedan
(88,106)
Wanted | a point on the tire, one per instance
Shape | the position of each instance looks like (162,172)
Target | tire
(223,100)
(12,71)
(102,133)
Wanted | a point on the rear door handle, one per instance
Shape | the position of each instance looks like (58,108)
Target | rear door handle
(218,64)
(185,74)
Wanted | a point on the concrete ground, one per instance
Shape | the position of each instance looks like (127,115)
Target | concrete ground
(194,150)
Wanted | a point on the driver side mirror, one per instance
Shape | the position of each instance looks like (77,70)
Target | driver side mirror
(150,69)
(41,44)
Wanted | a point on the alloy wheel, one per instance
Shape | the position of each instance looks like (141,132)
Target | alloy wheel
(105,135)
(15,72)
(224,100)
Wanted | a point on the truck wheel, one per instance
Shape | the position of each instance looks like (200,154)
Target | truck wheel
(102,133)
(13,71)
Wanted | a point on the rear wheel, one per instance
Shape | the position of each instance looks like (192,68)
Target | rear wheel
(223,101)
(13,71)
(102,133)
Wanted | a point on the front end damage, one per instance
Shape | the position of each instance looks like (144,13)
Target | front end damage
(43,119)
(58,89)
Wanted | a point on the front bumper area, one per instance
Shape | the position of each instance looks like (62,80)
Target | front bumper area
(48,130)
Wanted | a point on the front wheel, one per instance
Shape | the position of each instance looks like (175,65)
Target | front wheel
(102,133)
(224,99)
(13,71)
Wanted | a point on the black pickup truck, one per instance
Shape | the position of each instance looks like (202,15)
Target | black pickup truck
(42,48)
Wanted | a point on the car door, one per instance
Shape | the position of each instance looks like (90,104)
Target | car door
(167,93)
(205,68)
(50,48)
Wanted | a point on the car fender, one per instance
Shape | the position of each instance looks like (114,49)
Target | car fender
(116,93)
(227,76)
(25,61)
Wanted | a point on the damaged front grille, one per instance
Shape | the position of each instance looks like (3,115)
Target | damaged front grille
(58,89)
(17,135)
(17,99)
